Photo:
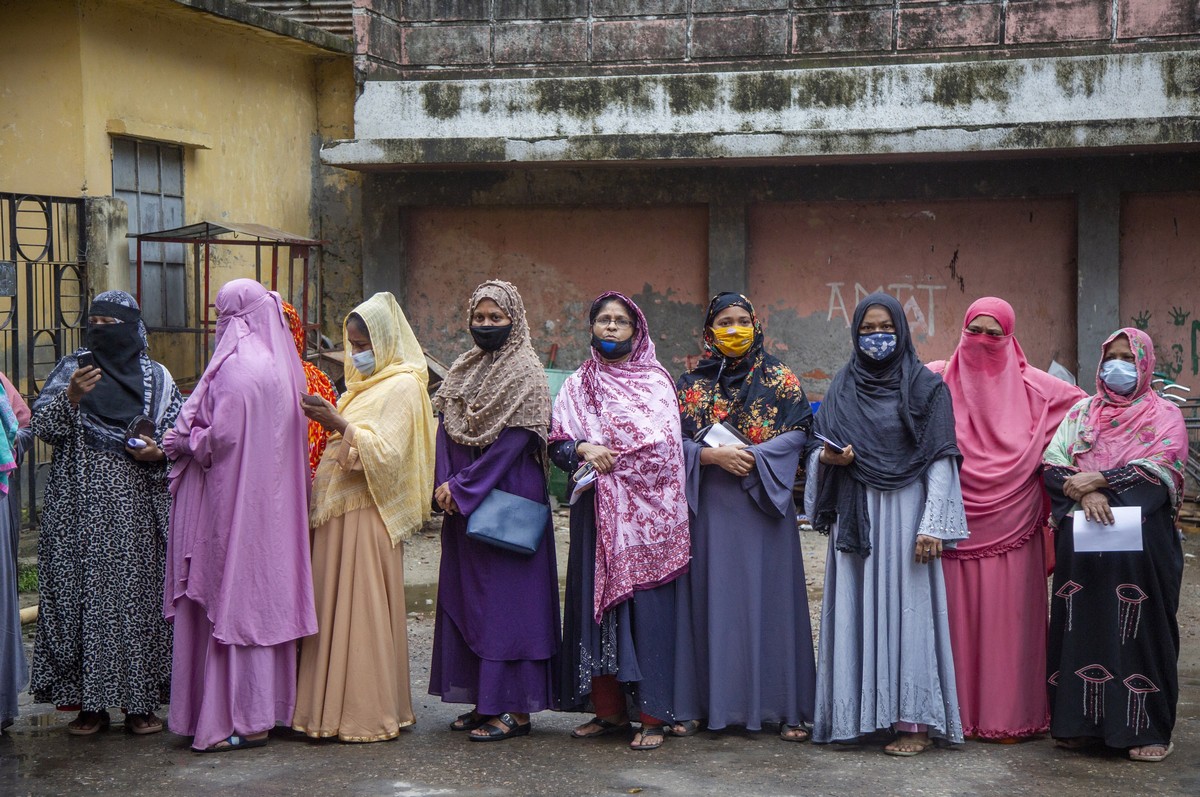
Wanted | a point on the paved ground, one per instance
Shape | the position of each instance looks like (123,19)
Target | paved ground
(38,758)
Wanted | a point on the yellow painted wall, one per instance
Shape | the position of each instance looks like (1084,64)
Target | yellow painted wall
(261,101)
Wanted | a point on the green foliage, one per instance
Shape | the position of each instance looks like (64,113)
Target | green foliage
(27,578)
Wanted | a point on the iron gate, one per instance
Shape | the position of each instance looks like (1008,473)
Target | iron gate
(43,302)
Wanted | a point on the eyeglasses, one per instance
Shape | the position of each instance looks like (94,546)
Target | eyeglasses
(619,323)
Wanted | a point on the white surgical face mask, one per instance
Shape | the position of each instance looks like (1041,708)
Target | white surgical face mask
(1120,376)
(364,361)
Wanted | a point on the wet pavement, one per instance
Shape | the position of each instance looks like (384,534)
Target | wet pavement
(37,757)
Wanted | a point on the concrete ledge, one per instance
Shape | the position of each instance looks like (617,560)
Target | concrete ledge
(170,135)
(1083,102)
(236,11)
(391,154)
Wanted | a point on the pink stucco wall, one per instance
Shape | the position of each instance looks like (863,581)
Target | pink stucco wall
(810,263)
(1160,266)
(560,259)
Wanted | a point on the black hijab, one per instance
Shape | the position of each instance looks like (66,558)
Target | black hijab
(756,392)
(898,416)
(120,395)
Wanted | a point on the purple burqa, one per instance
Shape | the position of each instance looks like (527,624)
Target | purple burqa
(238,576)
(497,612)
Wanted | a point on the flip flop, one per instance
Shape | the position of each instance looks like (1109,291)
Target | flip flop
(690,728)
(234,742)
(925,745)
(606,728)
(101,724)
(494,734)
(1151,758)
(783,733)
(150,724)
(469,721)
(654,732)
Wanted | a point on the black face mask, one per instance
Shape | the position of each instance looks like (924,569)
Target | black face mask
(490,338)
(115,341)
(612,349)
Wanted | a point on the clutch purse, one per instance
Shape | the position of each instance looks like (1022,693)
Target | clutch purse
(509,521)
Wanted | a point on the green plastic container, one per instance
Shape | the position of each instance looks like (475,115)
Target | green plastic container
(558,477)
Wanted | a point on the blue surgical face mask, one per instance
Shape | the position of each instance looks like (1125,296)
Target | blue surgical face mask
(877,345)
(1120,377)
(364,361)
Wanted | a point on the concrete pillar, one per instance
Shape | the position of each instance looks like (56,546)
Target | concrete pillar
(1098,305)
(384,250)
(726,245)
(108,266)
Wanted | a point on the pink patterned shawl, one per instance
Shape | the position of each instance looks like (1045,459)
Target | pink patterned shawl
(1142,427)
(1005,412)
(642,537)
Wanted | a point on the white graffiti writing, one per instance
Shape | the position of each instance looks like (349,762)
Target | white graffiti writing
(920,318)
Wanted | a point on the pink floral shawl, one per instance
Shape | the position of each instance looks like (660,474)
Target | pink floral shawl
(1109,430)
(642,537)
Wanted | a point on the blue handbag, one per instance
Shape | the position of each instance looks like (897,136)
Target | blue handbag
(509,521)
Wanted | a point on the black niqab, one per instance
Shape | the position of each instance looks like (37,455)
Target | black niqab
(120,395)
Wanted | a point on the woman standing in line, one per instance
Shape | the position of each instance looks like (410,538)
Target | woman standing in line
(14,439)
(1005,412)
(239,583)
(617,416)
(496,633)
(101,640)
(889,498)
(371,493)
(1113,668)
(747,657)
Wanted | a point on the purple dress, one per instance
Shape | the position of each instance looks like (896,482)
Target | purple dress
(495,641)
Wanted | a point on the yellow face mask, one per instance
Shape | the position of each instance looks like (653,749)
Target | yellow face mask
(733,341)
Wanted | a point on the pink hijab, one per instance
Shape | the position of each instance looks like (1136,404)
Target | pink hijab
(1117,430)
(238,544)
(1005,413)
(642,537)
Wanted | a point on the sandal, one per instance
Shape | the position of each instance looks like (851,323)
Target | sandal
(469,721)
(1153,758)
(605,726)
(690,728)
(494,734)
(794,733)
(88,723)
(920,746)
(234,742)
(651,732)
(143,724)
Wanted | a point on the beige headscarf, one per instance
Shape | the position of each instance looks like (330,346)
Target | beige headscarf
(487,392)
(394,430)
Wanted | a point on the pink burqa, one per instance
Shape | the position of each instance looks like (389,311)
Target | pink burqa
(642,537)
(238,577)
(1005,412)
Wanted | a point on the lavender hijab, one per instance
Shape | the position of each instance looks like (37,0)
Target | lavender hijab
(238,544)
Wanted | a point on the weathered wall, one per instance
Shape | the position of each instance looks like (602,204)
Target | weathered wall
(463,36)
(1160,262)
(560,259)
(811,263)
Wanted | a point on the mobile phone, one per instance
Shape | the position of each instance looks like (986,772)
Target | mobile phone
(835,446)
(139,427)
(311,400)
(85,359)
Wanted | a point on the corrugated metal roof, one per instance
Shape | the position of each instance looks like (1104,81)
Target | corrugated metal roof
(334,16)
(209,229)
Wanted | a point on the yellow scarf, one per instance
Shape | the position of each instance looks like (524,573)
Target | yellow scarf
(394,430)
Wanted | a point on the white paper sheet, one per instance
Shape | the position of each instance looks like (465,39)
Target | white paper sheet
(1124,535)
(718,436)
(583,485)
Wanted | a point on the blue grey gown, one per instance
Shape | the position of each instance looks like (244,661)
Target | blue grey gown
(885,654)
(744,650)
(14,669)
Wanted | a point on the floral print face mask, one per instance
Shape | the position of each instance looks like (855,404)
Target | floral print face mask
(877,345)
